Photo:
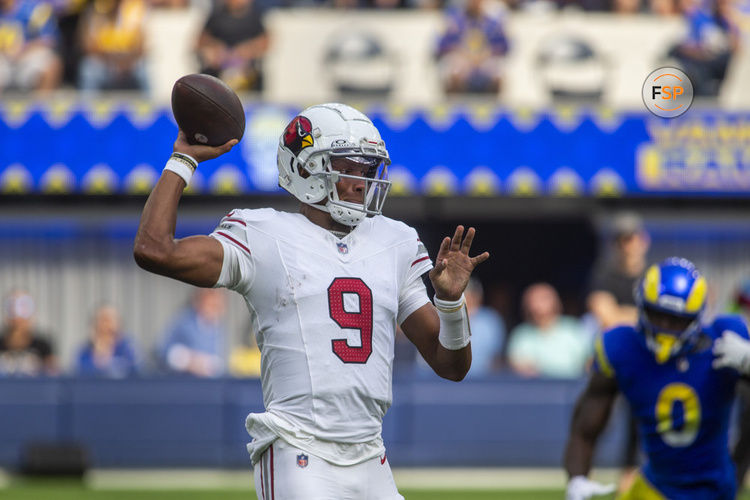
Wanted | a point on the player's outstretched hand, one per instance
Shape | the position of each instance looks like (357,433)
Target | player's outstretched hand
(583,488)
(200,152)
(732,351)
(453,266)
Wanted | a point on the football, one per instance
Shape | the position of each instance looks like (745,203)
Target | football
(207,110)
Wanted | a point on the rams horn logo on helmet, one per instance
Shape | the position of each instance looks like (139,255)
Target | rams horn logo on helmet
(298,135)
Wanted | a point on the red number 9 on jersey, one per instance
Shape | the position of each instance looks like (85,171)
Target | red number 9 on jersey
(361,320)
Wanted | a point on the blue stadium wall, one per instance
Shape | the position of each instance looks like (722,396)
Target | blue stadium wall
(164,422)
(109,146)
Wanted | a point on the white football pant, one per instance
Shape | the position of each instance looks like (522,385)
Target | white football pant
(287,473)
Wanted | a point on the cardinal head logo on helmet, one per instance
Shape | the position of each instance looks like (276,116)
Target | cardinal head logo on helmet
(298,135)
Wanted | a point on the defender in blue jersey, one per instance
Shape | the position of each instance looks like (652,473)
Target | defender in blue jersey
(679,376)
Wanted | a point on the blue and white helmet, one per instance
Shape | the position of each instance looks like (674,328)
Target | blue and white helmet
(304,160)
(677,289)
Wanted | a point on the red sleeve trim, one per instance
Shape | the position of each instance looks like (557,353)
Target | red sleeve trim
(238,221)
(234,241)
(419,260)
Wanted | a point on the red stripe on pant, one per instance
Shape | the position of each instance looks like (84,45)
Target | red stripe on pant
(272,492)
(262,489)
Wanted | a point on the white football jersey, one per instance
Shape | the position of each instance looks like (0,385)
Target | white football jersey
(325,311)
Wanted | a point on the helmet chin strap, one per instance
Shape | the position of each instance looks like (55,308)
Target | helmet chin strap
(343,212)
(344,215)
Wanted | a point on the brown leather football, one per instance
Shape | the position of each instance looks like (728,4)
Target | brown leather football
(207,110)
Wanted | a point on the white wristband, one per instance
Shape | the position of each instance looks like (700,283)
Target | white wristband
(455,332)
(182,165)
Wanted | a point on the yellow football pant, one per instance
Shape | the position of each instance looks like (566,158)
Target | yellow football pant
(641,490)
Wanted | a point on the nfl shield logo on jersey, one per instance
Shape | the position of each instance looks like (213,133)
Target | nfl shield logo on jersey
(342,248)
(301,460)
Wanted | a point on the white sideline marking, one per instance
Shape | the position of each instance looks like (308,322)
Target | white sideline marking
(473,478)
(169,479)
(477,478)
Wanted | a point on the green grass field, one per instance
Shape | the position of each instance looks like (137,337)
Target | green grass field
(56,490)
(29,492)
(71,492)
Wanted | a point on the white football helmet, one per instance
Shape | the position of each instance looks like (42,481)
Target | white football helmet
(306,147)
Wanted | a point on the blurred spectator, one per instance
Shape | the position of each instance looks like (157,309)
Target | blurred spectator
(28,37)
(244,360)
(22,350)
(69,13)
(610,299)
(112,37)
(663,7)
(233,44)
(170,4)
(626,7)
(108,353)
(487,339)
(386,4)
(487,332)
(471,50)
(366,4)
(741,453)
(195,343)
(611,303)
(547,344)
(204,6)
(704,55)
(427,4)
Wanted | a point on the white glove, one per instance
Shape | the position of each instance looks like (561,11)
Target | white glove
(583,488)
(732,351)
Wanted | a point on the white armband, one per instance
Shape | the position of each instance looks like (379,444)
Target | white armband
(182,165)
(455,332)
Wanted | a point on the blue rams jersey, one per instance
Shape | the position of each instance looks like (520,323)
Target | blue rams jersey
(682,406)
(27,20)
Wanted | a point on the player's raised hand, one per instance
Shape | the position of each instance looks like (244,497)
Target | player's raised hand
(453,266)
(583,488)
(200,152)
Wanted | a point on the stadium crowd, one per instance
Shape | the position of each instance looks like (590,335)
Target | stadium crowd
(539,339)
(99,45)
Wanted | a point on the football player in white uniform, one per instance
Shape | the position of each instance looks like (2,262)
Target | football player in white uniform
(325,288)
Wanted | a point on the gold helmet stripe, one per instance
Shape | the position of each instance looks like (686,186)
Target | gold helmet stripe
(651,283)
(697,296)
